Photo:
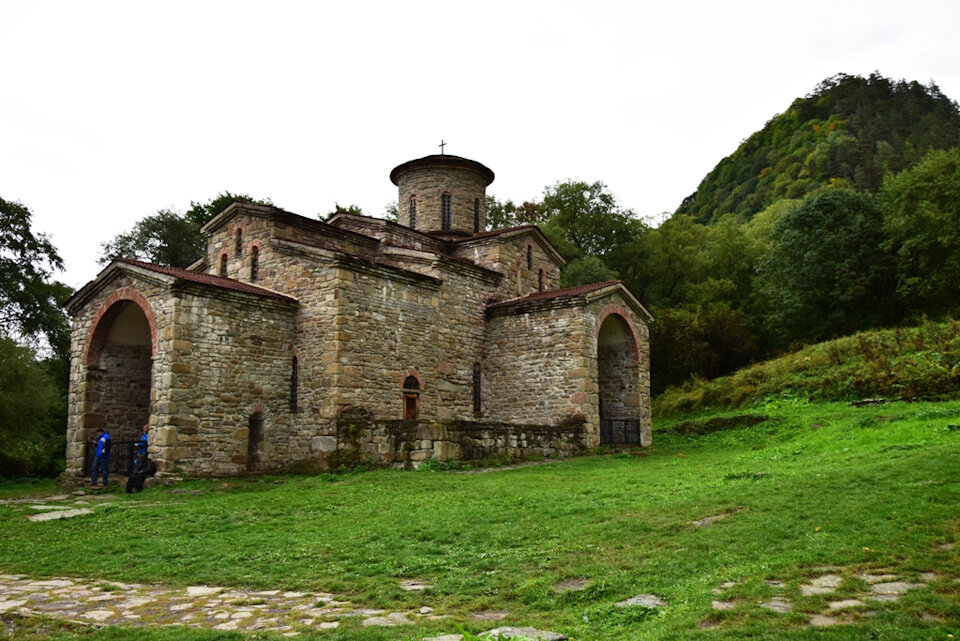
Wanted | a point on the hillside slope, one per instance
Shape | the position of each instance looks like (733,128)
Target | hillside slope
(850,129)
(916,362)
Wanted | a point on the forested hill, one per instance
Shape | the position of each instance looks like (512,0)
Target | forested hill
(850,130)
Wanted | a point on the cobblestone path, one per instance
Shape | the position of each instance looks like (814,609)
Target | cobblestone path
(218,608)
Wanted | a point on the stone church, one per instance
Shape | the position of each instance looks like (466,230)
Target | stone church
(295,341)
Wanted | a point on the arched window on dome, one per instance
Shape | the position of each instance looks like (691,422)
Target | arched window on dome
(446,211)
(254,263)
(223,265)
(238,244)
(476,215)
(413,212)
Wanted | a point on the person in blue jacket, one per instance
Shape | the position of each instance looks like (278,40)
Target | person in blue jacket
(101,459)
(141,448)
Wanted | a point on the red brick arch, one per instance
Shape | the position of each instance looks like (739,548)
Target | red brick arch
(622,312)
(97,334)
(414,373)
(257,408)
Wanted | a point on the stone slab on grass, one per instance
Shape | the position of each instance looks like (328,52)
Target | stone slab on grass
(846,603)
(645,600)
(571,585)
(529,633)
(59,514)
(895,587)
(777,604)
(825,584)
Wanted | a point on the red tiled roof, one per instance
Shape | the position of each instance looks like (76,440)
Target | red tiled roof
(207,279)
(569,292)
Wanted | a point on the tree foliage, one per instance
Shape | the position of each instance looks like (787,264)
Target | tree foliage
(850,132)
(169,237)
(32,413)
(587,217)
(921,208)
(29,297)
(826,274)
(501,215)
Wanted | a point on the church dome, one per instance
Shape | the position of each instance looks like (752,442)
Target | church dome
(442,193)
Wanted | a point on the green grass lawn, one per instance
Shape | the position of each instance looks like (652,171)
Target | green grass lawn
(816,485)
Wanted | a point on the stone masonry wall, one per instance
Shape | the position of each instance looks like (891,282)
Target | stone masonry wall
(389,325)
(118,389)
(536,365)
(260,227)
(619,381)
(509,256)
(542,363)
(230,357)
(428,184)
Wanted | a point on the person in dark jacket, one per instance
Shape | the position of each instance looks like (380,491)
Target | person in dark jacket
(145,468)
(101,460)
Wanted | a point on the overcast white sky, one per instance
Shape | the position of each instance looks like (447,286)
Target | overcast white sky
(110,111)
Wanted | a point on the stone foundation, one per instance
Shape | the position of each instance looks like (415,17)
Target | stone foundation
(397,442)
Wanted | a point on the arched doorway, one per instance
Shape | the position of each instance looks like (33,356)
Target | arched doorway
(618,382)
(411,398)
(254,441)
(119,361)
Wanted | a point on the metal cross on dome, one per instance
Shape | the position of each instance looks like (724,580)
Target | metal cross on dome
(442,145)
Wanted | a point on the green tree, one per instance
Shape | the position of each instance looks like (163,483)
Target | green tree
(501,215)
(169,237)
(29,299)
(588,217)
(32,414)
(340,209)
(705,341)
(674,260)
(921,216)
(826,274)
(585,270)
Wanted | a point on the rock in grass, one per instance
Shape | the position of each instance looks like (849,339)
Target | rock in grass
(528,633)
(645,600)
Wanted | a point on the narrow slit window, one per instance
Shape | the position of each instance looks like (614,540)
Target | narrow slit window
(529,256)
(238,244)
(293,385)
(476,215)
(254,440)
(446,209)
(223,265)
(540,281)
(477,392)
(413,212)
(254,264)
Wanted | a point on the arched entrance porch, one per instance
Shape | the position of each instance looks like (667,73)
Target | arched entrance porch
(618,380)
(118,376)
